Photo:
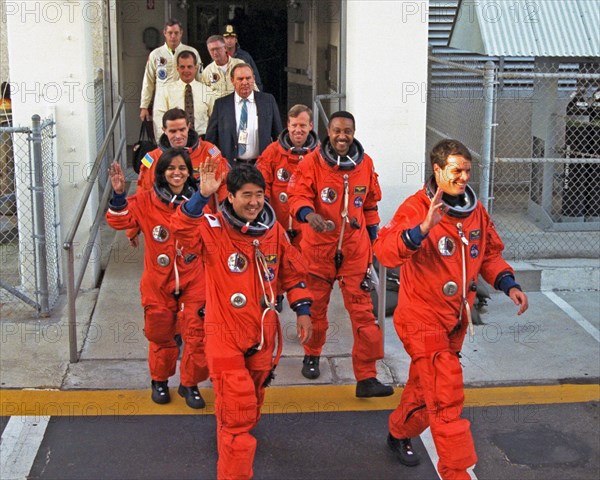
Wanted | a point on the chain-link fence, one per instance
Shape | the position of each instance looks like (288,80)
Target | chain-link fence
(535,138)
(29,229)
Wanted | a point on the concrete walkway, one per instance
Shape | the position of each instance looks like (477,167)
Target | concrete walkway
(556,341)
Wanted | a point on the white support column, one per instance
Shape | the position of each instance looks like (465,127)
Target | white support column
(51,71)
(386,91)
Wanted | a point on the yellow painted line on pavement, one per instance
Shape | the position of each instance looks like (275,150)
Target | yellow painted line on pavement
(280,400)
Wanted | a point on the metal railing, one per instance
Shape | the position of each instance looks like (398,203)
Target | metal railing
(320,110)
(381,300)
(74,281)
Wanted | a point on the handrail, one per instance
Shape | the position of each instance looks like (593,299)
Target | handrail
(91,179)
(74,284)
(318,107)
(381,300)
(87,252)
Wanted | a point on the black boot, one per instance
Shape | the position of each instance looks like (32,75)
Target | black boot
(160,392)
(192,396)
(402,447)
(371,387)
(310,367)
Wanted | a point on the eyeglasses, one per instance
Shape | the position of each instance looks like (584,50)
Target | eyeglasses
(215,49)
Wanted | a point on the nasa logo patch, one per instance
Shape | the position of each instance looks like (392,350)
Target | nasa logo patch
(269,275)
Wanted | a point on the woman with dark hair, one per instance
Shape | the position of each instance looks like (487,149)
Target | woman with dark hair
(172,285)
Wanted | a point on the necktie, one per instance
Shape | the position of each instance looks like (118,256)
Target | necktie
(243,126)
(189,104)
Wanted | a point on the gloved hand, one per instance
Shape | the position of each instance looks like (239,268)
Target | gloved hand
(317,222)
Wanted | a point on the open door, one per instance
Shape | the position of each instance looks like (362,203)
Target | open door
(315,54)
(261,26)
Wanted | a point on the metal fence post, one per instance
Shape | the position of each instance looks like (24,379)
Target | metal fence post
(39,225)
(489,102)
(381,301)
(71,299)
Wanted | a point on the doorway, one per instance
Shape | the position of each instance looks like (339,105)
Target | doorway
(261,26)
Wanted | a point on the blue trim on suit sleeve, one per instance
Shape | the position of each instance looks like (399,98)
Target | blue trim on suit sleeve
(303,212)
(194,206)
(416,236)
(373,230)
(506,282)
(303,309)
(118,201)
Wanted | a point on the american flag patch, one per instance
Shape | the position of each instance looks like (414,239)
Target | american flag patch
(214,151)
(147,160)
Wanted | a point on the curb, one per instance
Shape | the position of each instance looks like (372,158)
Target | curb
(579,274)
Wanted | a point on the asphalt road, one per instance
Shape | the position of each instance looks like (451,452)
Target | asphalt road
(519,441)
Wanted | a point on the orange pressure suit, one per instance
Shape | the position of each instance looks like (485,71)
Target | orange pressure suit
(199,150)
(278,163)
(322,185)
(436,294)
(172,287)
(243,264)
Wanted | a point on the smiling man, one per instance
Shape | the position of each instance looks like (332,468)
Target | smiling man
(246,257)
(443,238)
(187,93)
(281,159)
(335,191)
(177,133)
(245,122)
(217,74)
(160,70)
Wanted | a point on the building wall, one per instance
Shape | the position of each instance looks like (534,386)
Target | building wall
(386,78)
(313,53)
(51,62)
(3,52)
(133,19)
(383,77)
(299,43)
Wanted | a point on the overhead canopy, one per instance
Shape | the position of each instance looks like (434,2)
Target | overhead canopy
(527,28)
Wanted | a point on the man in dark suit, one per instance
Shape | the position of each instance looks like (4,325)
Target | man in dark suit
(245,122)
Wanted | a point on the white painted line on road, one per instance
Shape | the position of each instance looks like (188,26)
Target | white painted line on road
(574,314)
(21,440)
(427,440)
